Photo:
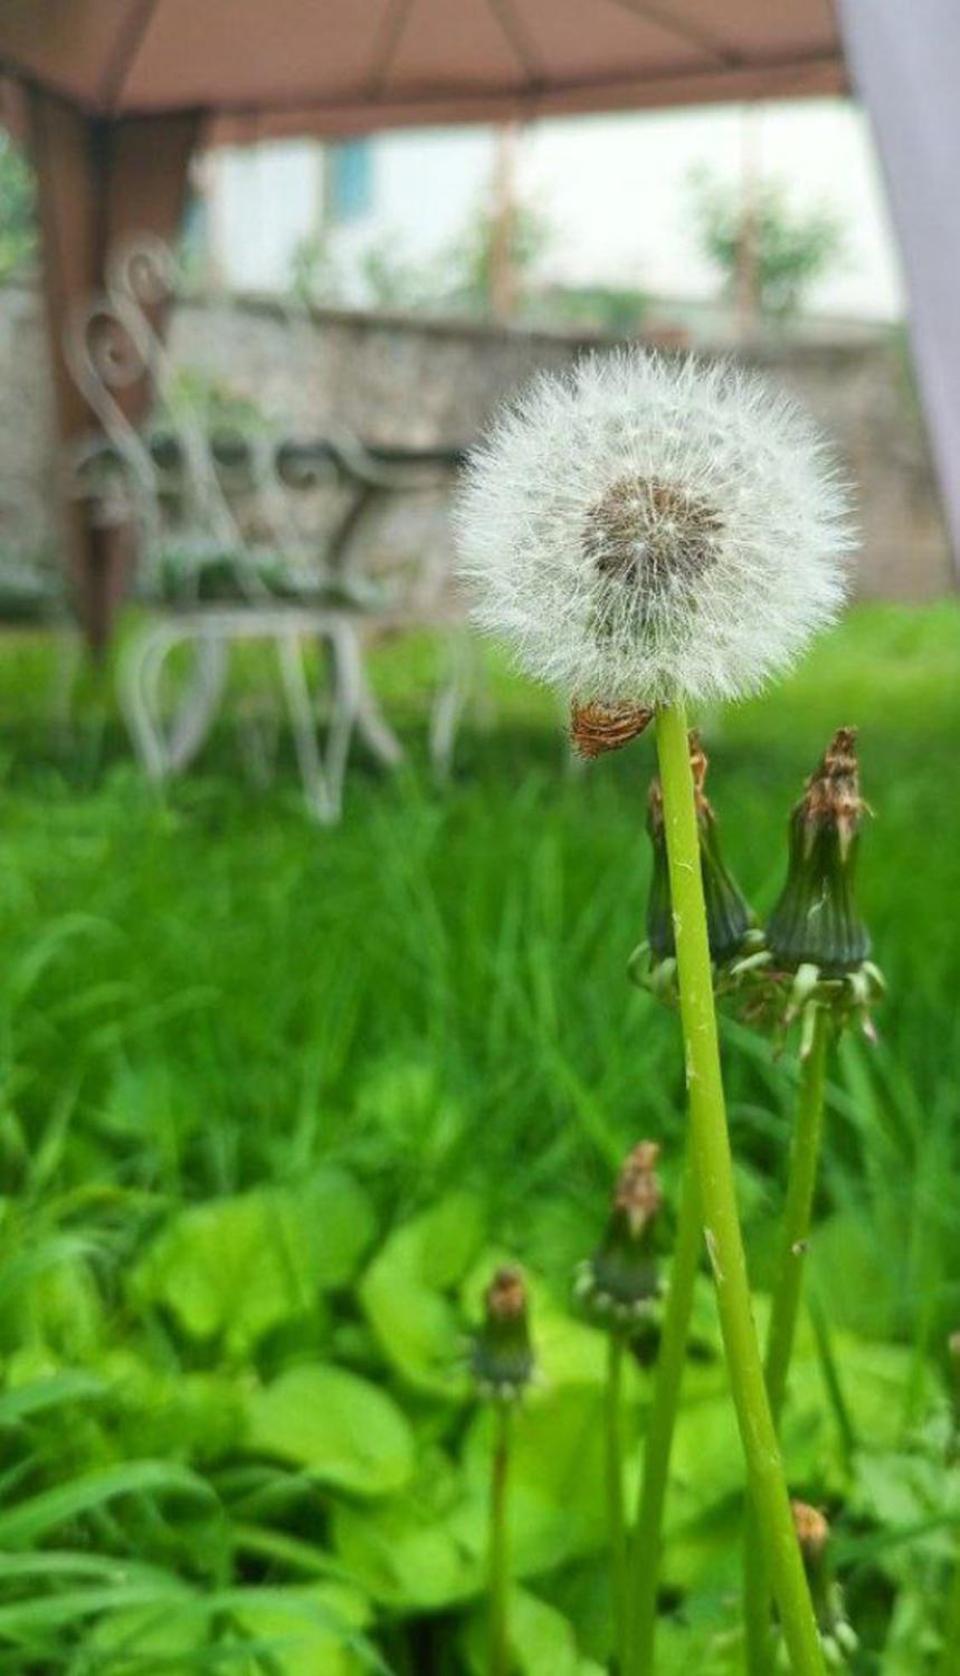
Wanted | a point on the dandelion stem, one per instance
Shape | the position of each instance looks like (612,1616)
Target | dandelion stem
(785,1308)
(616,1516)
(714,1164)
(499,1632)
(804,1160)
(647,1538)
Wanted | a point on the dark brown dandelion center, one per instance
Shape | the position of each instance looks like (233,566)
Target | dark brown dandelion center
(649,543)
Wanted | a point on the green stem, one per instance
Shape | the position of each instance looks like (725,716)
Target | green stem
(499,1631)
(785,1308)
(647,1538)
(714,1164)
(615,1509)
(832,1384)
(804,1161)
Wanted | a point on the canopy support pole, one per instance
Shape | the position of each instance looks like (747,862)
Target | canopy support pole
(98,180)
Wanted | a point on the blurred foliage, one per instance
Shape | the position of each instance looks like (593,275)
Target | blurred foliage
(457,279)
(469,264)
(273,1101)
(616,311)
(18,214)
(793,248)
(211,403)
(315,275)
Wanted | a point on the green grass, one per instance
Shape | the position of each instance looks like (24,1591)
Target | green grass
(204,993)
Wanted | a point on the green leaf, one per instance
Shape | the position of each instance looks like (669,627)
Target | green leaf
(147,1641)
(700,1648)
(427,1550)
(30,1519)
(404,1294)
(341,1428)
(59,1390)
(47,1611)
(235,1268)
(166,1411)
(305,1630)
(300,1630)
(542,1640)
(557,1503)
(411,1558)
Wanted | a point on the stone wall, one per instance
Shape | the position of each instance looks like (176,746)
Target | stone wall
(426,382)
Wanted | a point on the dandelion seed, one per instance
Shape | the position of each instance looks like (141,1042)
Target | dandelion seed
(643,531)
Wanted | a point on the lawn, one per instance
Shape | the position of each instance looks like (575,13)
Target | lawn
(273,1100)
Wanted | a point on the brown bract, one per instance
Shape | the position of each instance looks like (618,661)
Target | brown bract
(506,1296)
(598,728)
(832,796)
(812,1529)
(638,1194)
(699,763)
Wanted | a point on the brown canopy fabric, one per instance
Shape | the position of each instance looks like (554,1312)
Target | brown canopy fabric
(337,66)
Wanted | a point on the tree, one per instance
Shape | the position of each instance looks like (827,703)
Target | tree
(791,248)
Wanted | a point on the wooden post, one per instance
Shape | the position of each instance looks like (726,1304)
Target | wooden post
(503,277)
(97,181)
(748,256)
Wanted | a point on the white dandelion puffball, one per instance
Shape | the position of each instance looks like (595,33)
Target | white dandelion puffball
(644,531)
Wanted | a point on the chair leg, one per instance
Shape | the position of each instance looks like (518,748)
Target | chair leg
(323,801)
(194,718)
(450,702)
(371,722)
(138,693)
(348,690)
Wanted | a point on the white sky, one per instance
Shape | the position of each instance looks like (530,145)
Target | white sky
(615,190)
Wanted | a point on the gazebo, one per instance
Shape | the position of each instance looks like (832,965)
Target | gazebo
(115,96)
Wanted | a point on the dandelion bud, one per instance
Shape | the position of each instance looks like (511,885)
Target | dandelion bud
(728,916)
(502,1361)
(621,1283)
(815,922)
(644,530)
(837,1637)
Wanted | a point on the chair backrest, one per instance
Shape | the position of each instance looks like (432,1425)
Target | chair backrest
(112,345)
(179,481)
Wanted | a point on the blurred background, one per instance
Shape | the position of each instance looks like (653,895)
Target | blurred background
(314,939)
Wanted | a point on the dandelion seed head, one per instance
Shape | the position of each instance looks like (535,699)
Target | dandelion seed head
(643,530)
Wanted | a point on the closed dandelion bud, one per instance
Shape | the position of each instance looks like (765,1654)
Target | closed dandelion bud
(502,1360)
(837,1637)
(620,1283)
(728,916)
(815,922)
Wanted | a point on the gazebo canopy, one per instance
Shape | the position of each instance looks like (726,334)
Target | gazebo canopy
(115,96)
(336,66)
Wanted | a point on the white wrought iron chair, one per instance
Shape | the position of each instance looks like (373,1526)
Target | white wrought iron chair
(110,344)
